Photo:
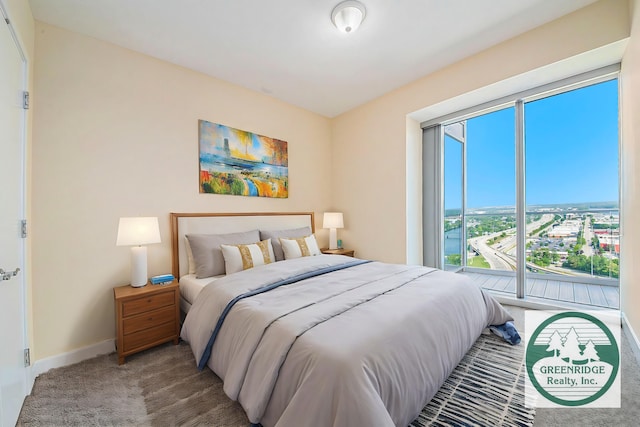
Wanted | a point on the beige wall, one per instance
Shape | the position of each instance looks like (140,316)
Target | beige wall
(630,189)
(369,158)
(116,134)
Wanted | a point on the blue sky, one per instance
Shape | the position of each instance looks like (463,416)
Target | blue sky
(571,152)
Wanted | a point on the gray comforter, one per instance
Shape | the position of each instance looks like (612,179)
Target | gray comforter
(368,345)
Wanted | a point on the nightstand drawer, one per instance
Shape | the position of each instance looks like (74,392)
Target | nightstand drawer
(147,320)
(149,336)
(146,317)
(141,305)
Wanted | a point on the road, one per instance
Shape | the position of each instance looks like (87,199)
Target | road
(587,233)
(495,261)
(502,257)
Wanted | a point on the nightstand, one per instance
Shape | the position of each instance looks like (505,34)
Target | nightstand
(340,251)
(146,317)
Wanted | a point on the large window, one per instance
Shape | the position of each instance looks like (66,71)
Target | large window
(572,182)
(530,193)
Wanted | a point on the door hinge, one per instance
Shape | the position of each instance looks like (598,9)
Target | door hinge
(25,100)
(23,228)
(27,357)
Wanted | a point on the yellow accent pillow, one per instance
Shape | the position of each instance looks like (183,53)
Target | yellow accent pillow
(243,257)
(302,246)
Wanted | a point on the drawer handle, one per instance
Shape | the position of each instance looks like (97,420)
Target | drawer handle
(149,300)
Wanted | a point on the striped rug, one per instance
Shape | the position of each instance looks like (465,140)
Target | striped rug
(486,389)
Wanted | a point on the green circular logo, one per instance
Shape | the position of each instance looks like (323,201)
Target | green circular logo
(572,358)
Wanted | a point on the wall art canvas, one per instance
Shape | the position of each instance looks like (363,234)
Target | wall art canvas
(242,163)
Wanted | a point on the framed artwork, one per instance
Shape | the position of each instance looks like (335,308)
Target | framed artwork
(241,163)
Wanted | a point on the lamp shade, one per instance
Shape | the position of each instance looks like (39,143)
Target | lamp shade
(332,220)
(348,15)
(138,231)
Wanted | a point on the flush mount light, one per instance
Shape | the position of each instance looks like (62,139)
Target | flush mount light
(348,15)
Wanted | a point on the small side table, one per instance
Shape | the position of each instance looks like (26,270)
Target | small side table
(146,317)
(340,251)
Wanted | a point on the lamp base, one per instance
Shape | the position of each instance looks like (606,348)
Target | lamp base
(333,238)
(138,266)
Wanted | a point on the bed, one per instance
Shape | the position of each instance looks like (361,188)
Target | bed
(329,340)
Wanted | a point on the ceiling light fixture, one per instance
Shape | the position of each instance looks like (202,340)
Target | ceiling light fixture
(348,15)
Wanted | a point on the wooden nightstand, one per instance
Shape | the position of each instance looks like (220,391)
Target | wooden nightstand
(146,317)
(340,251)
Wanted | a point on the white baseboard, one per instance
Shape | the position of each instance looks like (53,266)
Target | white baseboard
(631,334)
(69,358)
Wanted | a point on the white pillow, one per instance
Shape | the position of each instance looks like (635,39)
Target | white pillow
(302,246)
(243,257)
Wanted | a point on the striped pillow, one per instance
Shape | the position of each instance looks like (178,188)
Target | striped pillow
(302,246)
(243,257)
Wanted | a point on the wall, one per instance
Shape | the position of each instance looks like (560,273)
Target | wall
(630,188)
(22,22)
(372,190)
(116,134)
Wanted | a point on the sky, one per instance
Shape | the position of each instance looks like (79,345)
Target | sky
(571,143)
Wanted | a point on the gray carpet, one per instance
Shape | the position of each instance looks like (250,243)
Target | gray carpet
(158,387)
(161,387)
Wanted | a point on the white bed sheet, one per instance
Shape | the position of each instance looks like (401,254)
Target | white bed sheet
(190,288)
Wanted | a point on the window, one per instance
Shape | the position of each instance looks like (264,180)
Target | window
(530,192)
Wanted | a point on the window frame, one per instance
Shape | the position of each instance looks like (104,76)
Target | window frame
(433,146)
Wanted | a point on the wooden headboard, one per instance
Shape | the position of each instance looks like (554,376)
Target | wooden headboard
(223,223)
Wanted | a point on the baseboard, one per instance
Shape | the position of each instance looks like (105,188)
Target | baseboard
(69,358)
(631,335)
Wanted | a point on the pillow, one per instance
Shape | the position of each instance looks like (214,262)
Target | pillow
(275,236)
(244,257)
(191,262)
(207,255)
(302,246)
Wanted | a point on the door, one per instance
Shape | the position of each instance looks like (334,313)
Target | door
(13,373)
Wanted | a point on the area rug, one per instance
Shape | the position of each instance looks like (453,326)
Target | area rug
(487,388)
(162,387)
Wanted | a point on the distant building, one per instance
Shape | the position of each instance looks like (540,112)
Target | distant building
(570,228)
(227,151)
(610,242)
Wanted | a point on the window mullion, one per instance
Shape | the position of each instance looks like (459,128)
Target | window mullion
(463,210)
(521,214)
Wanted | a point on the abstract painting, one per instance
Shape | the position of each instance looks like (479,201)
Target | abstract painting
(242,163)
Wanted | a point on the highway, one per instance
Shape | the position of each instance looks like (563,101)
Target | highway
(502,257)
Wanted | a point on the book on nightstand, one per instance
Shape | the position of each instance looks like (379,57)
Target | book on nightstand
(162,279)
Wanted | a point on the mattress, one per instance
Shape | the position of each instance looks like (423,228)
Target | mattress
(190,288)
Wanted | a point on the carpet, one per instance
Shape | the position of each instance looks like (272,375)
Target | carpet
(162,387)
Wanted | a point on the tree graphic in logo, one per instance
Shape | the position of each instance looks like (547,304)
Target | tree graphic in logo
(572,358)
(590,351)
(555,343)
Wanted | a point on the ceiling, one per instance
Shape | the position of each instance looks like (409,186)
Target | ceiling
(290,50)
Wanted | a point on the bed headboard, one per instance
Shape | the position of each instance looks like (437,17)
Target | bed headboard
(223,223)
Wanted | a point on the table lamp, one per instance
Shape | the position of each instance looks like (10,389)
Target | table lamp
(333,221)
(136,232)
